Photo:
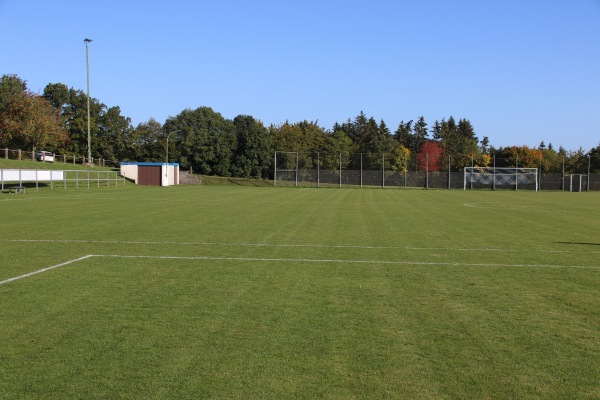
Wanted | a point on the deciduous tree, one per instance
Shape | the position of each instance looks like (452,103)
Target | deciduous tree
(431,157)
(27,120)
(594,155)
(147,142)
(252,154)
(399,158)
(205,140)
(336,146)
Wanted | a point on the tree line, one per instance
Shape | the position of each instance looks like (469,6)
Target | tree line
(203,140)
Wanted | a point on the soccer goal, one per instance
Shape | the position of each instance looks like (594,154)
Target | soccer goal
(501,178)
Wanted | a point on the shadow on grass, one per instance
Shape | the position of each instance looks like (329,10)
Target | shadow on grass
(584,243)
(11,188)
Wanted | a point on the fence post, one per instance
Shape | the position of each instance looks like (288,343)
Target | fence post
(539,182)
(449,174)
(517,174)
(340,169)
(589,170)
(6,153)
(361,170)
(318,170)
(297,161)
(383,170)
(472,165)
(563,174)
(274,171)
(426,170)
(19,153)
(494,178)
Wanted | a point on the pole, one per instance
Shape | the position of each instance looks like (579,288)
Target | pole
(340,169)
(361,170)
(449,175)
(494,181)
(318,170)
(589,170)
(383,170)
(297,156)
(275,172)
(87,69)
(167,156)
(517,174)
(472,166)
(563,173)
(539,182)
(427,170)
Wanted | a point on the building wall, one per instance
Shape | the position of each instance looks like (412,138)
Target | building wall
(172,176)
(129,171)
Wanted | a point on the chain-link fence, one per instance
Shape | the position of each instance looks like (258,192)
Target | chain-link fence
(381,170)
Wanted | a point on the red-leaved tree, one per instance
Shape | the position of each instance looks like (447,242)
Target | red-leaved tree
(431,156)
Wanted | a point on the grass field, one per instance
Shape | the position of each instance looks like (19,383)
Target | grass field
(271,293)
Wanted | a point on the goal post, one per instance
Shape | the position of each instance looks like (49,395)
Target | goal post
(501,178)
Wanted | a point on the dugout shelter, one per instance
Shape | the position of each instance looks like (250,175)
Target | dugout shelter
(151,173)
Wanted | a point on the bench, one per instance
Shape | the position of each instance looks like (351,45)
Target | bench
(16,189)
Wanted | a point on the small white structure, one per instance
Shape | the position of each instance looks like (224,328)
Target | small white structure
(151,173)
(30,175)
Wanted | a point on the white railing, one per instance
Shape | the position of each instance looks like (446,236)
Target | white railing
(68,178)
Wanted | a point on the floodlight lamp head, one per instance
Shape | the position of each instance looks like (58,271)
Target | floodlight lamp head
(87,40)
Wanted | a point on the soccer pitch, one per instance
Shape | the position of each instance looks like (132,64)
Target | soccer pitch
(272,293)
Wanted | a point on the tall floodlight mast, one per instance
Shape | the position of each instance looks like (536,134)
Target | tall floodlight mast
(87,69)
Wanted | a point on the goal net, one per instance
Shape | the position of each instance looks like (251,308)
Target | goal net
(501,178)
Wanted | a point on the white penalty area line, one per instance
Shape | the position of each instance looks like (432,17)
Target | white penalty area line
(242,244)
(342,261)
(298,260)
(39,271)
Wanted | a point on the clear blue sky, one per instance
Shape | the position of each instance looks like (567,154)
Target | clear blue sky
(521,71)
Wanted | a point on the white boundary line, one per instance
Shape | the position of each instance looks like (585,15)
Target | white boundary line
(39,271)
(299,260)
(523,207)
(309,260)
(332,246)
